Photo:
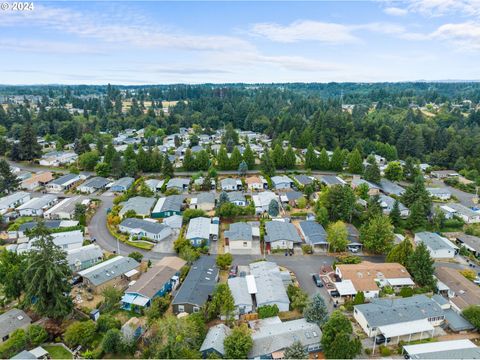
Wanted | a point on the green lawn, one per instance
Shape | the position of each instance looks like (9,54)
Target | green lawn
(58,352)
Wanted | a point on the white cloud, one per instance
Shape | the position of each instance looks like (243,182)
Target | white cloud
(395,11)
(304,30)
(445,7)
(330,33)
(465,36)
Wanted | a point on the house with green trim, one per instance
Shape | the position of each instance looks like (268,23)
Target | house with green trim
(168,206)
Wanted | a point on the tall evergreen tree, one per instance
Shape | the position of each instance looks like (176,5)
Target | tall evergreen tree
(267,164)
(395,215)
(337,161)
(278,157)
(223,162)
(311,161)
(47,290)
(372,173)
(9,182)
(421,266)
(235,159)
(355,163)
(29,147)
(323,160)
(189,161)
(249,157)
(167,168)
(290,158)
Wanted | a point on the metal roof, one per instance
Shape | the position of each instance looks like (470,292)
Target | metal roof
(38,203)
(178,183)
(6,201)
(97,182)
(84,253)
(390,187)
(141,205)
(457,322)
(198,228)
(206,198)
(303,179)
(332,180)
(199,283)
(50,224)
(469,240)
(406,328)
(434,241)
(13,320)
(239,289)
(124,182)
(215,337)
(147,226)
(274,336)
(453,349)
(270,288)
(279,179)
(65,179)
(380,312)
(109,269)
(280,230)
(462,209)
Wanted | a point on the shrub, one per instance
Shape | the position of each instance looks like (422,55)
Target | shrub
(406,292)
(223,261)
(469,274)
(385,351)
(267,311)
(106,322)
(36,335)
(80,333)
(16,343)
(307,249)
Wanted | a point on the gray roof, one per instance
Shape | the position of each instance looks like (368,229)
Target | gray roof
(434,241)
(147,226)
(279,179)
(270,287)
(64,179)
(13,320)
(389,202)
(469,353)
(7,200)
(228,182)
(280,230)
(38,203)
(97,182)
(303,179)
(440,300)
(331,180)
(198,228)
(199,283)
(84,253)
(314,231)
(239,231)
(215,337)
(24,355)
(141,205)
(272,335)
(457,322)
(462,209)
(470,240)
(358,181)
(169,203)
(178,183)
(206,198)
(440,191)
(239,289)
(108,270)
(293,195)
(389,187)
(236,196)
(124,182)
(50,224)
(380,312)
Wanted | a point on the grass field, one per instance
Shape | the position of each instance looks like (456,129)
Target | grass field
(58,352)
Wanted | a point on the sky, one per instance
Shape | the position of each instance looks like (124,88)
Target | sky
(164,42)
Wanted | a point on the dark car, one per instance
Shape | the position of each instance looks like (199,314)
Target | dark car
(233,271)
(380,339)
(334,293)
(317,280)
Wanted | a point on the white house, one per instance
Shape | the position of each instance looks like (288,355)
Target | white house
(64,182)
(439,193)
(13,200)
(93,184)
(281,235)
(139,228)
(438,246)
(237,198)
(262,201)
(387,204)
(463,212)
(36,206)
(230,184)
(269,285)
(399,318)
(242,289)
(282,182)
(58,158)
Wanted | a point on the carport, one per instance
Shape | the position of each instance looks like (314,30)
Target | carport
(403,329)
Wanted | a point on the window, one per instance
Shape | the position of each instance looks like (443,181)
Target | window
(181,308)
(244,244)
(5,338)
(196,309)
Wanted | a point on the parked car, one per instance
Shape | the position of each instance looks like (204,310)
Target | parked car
(317,280)
(334,293)
(233,271)
(353,249)
(380,339)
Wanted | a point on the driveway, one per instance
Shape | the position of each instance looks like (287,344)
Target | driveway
(464,198)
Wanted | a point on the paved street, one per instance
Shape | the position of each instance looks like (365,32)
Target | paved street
(463,197)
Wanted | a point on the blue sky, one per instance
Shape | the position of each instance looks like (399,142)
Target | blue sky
(156,42)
